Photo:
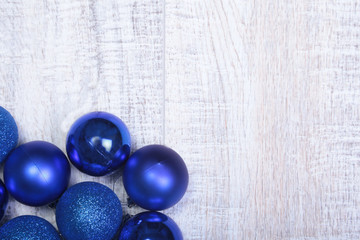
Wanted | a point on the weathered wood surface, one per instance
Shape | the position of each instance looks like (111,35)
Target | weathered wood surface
(261,98)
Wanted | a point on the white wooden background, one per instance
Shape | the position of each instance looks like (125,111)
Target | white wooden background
(261,98)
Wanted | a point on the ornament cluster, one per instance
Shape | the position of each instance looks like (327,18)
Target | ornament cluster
(38,173)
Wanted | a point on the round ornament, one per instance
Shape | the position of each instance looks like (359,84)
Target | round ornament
(150,226)
(98,143)
(90,211)
(155,177)
(29,228)
(8,133)
(36,173)
(4,197)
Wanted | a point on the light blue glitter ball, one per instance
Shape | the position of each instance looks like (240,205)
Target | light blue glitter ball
(29,228)
(90,211)
(8,133)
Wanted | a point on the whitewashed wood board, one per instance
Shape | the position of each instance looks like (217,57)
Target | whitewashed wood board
(261,98)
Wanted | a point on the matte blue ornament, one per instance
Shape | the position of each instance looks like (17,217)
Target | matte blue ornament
(98,143)
(150,226)
(8,133)
(90,211)
(155,177)
(28,228)
(36,173)
(4,197)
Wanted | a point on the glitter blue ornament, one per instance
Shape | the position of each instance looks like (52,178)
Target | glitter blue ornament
(29,228)
(155,177)
(150,226)
(90,211)
(8,133)
(36,173)
(4,197)
(98,143)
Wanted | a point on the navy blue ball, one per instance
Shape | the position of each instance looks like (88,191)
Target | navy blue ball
(36,173)
(90,211)
(4,197)
(150,226)
(155,177)
(8,134)
(29,228)
(98,143)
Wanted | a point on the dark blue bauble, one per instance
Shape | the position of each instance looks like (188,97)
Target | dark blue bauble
(98,143)
(36,173)
(90,211)
(8,134)
(150,226)
(4,197)
(28,228)
(155,177)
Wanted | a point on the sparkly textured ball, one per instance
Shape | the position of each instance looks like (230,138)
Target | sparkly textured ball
(36,173)
(90,211)
(4,197)
(98,143)
(155,177)
(8,133)
(150,226)
(29,228)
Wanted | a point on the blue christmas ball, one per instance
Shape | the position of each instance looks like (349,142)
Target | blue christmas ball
(155,177)
(28,228)
(8,133)
(150,226)
(4,197)
(98,143)
(90,211)
(36,173)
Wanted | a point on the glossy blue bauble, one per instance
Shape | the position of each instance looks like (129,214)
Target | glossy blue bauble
(155,177)
(8,134)
(150,226)
(90,211)
(36,173)
(98,143)
(28,228)
(4,197)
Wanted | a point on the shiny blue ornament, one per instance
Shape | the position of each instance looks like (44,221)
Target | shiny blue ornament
(8,133)
(155,177)
(150,226)
(28,228)
(98,143)
(36,173)
(4,197)
(90,211)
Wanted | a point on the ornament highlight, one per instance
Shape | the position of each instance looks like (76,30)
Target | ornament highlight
(90,211)
(36,173)
(98,143)
(155,177)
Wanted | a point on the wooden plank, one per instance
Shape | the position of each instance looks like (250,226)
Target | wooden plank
(262,101)
(62,59)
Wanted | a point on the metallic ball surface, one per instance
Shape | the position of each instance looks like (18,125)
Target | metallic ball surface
(36,173)
(155,177)
(4,198)
(98,143)
(150,226)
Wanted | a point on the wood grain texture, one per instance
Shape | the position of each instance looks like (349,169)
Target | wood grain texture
(261,98)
